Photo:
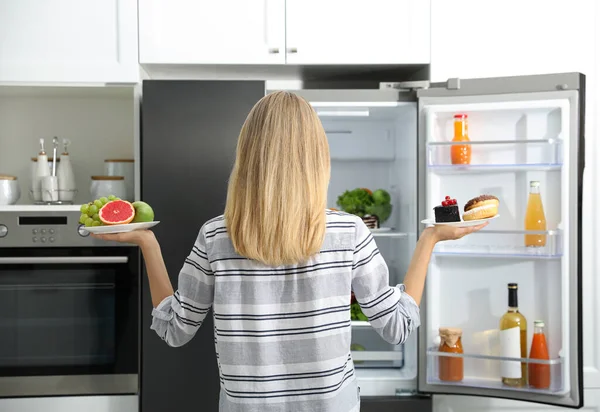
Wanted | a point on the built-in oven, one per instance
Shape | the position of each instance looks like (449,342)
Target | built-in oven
(69,309)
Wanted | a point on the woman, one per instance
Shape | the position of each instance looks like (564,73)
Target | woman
(278,270)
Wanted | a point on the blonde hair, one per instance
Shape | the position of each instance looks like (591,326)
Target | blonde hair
(277,194)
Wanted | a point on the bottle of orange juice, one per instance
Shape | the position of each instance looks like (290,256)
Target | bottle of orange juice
(534,217)
(460,154)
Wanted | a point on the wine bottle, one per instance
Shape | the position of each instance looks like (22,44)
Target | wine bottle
(513,341)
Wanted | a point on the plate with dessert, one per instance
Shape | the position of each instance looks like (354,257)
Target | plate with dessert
(478,210)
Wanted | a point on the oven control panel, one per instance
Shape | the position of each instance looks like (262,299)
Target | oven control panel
(43,229)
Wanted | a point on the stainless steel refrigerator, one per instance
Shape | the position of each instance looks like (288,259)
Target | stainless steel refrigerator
(398,138)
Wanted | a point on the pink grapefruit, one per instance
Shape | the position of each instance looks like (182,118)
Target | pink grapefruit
(117,212)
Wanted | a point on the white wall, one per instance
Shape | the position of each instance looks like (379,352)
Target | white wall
(99,123)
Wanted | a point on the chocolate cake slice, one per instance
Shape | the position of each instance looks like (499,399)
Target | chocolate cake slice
(447,212)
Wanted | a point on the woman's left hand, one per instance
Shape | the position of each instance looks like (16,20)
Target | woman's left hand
(446,232)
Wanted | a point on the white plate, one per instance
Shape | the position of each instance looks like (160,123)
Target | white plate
(130,227)
(381,229)
(462,223)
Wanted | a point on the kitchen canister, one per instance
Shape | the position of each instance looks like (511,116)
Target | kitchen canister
(36,180)
(125,168)
(104,186)
(66,178)
(10,192)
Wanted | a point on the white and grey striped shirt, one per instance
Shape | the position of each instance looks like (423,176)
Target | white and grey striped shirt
(282,334)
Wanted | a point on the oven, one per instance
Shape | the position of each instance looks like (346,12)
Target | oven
(69,305)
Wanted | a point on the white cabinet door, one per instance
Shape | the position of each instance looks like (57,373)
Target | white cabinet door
(68,41)
(357,31)
(510,37)
(212,31)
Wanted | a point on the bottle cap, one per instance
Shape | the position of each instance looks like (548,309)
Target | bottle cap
(538,323)
(534,183)
(513,286)
(460,116)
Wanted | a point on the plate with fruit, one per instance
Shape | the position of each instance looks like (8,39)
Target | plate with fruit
(477,211)
(112,215)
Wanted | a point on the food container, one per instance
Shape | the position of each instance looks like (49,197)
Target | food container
(451,369)
(108,185)
(125,168)
(36,180)
(10,191)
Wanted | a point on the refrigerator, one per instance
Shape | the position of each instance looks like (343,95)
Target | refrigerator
(398,138)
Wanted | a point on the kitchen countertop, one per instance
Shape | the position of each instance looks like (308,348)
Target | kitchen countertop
(39,208)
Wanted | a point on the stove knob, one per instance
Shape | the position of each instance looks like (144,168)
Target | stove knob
(3,231)
(82,232)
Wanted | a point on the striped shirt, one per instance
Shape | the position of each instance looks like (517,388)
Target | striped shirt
(282,334)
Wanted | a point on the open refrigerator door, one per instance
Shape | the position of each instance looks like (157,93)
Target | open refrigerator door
(373,146)
(523,132)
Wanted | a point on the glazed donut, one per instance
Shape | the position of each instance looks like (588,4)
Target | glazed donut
(481,207)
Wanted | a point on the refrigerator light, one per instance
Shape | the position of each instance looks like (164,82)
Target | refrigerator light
(355,104)
(343,113)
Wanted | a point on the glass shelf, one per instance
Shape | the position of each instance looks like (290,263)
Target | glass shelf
(483,371)
(498,156)
(369,350)
(360,324)
(503,243)
(388,233)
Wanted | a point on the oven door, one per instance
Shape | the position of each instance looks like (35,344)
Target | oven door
(70,321)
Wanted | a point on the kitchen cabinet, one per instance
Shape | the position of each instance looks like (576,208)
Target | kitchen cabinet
(532,45)
(68,41)
(357,32)
(267,32)
(212,32)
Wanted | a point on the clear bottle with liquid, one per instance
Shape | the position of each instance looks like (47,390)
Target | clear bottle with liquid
(535,219)
(513,341)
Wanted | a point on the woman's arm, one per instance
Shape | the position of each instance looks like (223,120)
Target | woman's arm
(414,281)
(160,284)
(176,316)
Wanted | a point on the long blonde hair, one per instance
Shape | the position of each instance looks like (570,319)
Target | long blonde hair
(277,194)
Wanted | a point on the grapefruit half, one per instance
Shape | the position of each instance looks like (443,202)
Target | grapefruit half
(117,212)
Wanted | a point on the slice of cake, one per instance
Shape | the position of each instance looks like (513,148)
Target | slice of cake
(447,212)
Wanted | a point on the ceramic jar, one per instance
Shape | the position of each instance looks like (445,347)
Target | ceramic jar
(125,168)
(108,185)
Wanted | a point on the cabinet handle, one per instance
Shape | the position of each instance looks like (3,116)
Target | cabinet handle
(292,50)
(274,50)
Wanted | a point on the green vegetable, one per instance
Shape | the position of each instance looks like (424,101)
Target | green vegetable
(383,212)
(381,197)
(361,202)
(356,312)
(355,201)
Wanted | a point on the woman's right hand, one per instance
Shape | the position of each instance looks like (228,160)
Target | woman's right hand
(136,237)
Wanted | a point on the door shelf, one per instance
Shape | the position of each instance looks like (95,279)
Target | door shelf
(483,371)
(498,156)
(503,243)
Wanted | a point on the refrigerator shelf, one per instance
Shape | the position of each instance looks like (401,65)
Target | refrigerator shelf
(377,356)
(389,234)
(503,243)
(483,371)
(360,324)
(498,156)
